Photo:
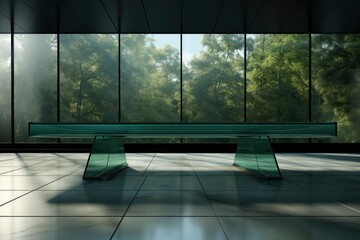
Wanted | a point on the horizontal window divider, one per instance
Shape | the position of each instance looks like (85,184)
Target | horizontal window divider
(180,147)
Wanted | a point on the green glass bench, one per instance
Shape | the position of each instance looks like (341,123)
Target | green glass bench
(254,151)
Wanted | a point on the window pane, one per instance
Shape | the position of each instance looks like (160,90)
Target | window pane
(150,77)
(35,82)
(89,78)
(277,78)
(213,84)
(5,89)
(336,83)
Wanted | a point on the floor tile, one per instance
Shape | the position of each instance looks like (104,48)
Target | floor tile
(174,228)
(75,183)
(244,182)
(161,196)
(24,182)
(61,163)
(7,156)
(78,172)
(350,199)
(170,171)
(171,183)
(275,203)
(70,203)
(6,196)
(140,156)
(171,163)
(345,170)
(42,171)
(322,183)
(170,203)
(18,163)
(210,162)
(218,171)
(4,170)
(57,228)
(133,170)
(285,228)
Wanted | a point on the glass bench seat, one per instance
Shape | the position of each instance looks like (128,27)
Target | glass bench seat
(188,130)
(254,151)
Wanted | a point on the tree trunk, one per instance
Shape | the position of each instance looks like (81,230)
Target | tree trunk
(79,102)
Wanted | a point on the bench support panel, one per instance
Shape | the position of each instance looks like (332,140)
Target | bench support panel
(106,158)
(255,154)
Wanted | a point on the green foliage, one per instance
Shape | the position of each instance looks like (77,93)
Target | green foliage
(277,78)
(150,80)
(35,82)
(89,78)
(213,81)
(336,82)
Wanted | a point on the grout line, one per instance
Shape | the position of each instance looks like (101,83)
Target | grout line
(127,209)
(207,197)
(333,172)
(122,216)
(348,207)
(245,216)
(33,190)
(62,216)
(143,174)
(182,216)
(235,190)
(350,176)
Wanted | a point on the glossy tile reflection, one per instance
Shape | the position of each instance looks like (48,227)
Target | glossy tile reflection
(174,228)
(284,228)
(179,196)
(54,228)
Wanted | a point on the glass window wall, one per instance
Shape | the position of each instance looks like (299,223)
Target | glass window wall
(35,82)
(89,78)
(277,78)
(153,85)
(5,88)
(336,83)
(213,78)
(150,77)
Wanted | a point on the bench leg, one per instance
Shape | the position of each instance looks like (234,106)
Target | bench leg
(107,157)
(255,154)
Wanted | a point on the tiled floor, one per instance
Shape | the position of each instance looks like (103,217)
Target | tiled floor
(179,196)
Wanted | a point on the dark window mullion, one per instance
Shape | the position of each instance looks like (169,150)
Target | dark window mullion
(58,77)
(245,70)
(181,82)
(119,75)
(310,80)
(12,73)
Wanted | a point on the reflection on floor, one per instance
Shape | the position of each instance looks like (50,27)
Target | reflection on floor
(179,196)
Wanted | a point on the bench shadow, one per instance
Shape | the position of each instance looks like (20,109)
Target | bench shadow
(236,191)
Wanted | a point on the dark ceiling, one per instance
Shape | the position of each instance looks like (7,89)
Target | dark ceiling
(180,16)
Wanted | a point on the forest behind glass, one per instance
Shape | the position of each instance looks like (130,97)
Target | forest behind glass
(211,78)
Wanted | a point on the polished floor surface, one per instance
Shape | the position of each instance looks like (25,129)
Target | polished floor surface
(179,196)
